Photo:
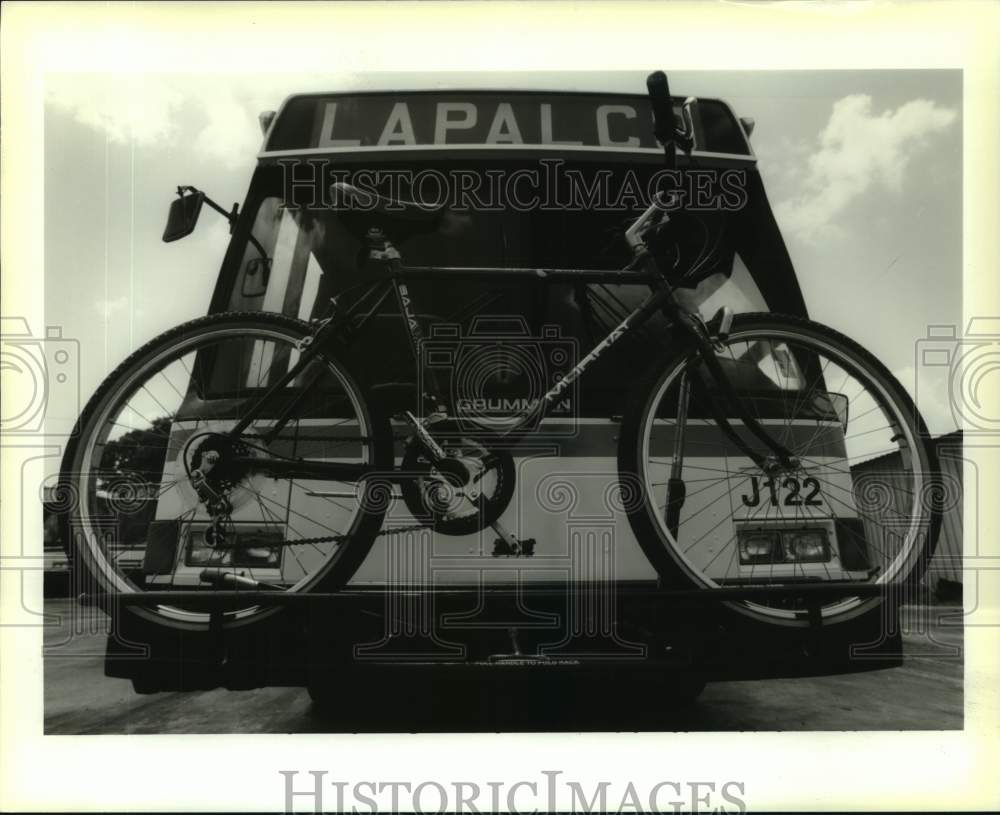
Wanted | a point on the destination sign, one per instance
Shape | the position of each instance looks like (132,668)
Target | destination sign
(491,120)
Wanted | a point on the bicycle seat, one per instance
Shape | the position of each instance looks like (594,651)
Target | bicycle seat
(353,199)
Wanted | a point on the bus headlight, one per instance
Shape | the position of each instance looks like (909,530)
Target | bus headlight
(806,546)
(759,547)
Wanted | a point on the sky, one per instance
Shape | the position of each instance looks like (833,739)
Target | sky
(863,170)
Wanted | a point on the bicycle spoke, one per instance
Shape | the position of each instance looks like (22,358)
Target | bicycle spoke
(826,412)
(157,425)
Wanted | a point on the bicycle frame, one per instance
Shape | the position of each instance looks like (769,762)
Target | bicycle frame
(373,297)
(393,281)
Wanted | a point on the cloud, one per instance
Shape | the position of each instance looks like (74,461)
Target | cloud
(218,119)
(858,150)
(930,388)
(126,108)
(232,131)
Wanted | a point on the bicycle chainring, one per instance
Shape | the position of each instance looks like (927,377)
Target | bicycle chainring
(465,493)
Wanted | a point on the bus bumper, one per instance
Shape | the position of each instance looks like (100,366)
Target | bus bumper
(339,637)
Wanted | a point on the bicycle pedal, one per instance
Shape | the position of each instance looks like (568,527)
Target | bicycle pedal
(525,548)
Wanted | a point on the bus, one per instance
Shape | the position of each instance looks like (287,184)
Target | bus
(565,151)
(531,180)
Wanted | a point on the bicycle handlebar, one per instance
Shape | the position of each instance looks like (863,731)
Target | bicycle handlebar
(663,117)
(663,112)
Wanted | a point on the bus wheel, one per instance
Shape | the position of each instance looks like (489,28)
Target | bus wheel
(858,501)
(684,689)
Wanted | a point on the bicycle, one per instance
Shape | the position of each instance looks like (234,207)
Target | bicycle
(245,464)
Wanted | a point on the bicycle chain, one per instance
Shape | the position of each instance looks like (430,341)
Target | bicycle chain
(399,530)
(327,538)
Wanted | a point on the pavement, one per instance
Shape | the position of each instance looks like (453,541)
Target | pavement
(926,693)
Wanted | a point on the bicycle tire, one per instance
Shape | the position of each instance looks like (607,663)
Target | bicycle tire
(86,559)
(673,566)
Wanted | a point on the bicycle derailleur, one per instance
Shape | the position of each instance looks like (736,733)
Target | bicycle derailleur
(212,464)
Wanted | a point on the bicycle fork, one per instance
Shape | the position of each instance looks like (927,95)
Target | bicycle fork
(676,489)
(712,374)
(709,374)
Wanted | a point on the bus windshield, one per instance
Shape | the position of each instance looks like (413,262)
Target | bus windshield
(315,254)
(529,181)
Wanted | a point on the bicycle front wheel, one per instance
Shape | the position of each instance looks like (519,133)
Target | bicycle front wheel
(161,496)
(859,502)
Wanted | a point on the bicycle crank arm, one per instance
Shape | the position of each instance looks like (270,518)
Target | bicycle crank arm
(508,545)
(431,447)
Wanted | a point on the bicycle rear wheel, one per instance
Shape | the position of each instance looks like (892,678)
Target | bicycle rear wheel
(861,502)
(135,521)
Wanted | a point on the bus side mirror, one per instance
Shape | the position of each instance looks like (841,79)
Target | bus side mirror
(183,215)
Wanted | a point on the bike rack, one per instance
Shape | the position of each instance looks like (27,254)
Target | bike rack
(817,591)
(213,601)
(677,640)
